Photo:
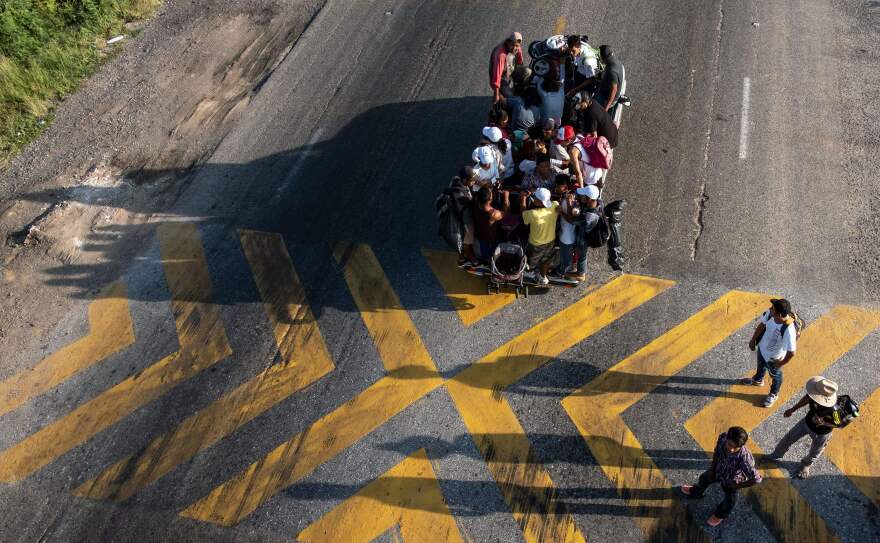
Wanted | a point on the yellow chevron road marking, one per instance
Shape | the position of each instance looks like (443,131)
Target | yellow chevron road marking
(110,330)
(303,359)
(466,292)
(855,452)
(776,499)
(407,496)
(477,393)
(202,343)
(411,375)
(597,407)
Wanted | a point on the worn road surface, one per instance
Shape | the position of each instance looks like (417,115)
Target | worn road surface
(291,354)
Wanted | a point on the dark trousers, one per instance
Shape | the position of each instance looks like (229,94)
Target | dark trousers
(768,367)
(726,506)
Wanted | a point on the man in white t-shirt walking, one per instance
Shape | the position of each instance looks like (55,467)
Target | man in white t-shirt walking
(775,338)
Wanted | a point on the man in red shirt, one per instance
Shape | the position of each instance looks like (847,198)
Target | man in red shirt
(505,57)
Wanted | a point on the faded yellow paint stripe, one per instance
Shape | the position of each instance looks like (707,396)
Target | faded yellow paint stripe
(303,359)
(202,343)
(110,330)
(476,391)
(597,407)
(855,451)
(559,27)
(408,496)
(411,375)
(466,292)
(821,344)
(393,332)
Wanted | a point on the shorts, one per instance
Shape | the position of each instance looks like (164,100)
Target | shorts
(539,254)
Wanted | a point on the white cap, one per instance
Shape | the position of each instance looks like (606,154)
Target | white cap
(590,191)
(492,133)
(543,196)
(483,155)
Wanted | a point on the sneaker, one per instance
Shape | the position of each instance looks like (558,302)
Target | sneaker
(542,280)
(752,382)
(714,521)
(772,457)
(803,473)
(770,400)
(577,276)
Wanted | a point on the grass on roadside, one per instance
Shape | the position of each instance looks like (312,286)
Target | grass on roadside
(47,47)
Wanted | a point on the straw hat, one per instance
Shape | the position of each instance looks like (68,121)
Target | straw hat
(823,391)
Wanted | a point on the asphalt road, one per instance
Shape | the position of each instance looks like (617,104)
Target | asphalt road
(747,160)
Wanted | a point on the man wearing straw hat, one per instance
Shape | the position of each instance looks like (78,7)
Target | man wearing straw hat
(821,397)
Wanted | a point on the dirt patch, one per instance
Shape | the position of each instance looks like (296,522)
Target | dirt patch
(122,148)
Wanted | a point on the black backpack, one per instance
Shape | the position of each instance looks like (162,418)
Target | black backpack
(449,224)
(845,411)
(598,236)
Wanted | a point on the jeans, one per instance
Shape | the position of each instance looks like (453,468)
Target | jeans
(797,432)
(730,494)
(566,253)
(582,260)
(768,367)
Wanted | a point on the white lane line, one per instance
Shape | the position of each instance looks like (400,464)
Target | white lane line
(303,154)
(744,120)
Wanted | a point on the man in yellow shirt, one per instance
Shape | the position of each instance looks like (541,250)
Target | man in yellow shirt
(542,233)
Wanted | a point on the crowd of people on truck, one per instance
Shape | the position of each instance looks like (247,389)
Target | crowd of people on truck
(537,171)
(534,174)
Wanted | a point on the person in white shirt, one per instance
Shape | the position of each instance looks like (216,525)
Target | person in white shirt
(486,167)
(583,59)
(775,340)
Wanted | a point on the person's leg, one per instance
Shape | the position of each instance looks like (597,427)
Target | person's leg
(565,254)
(726,506)
(776,376)
(582,261)
(697,490)
(820,441)
(762,368)
(795,434)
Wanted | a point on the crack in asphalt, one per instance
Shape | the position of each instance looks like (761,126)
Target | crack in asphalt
(702,199)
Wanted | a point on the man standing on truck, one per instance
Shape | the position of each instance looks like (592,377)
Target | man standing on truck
(505,57)
(612,79)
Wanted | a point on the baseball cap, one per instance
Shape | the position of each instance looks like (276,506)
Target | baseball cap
(549,124)
(543,196)
(782,306)
(565,133)
(492,133)
(590,191)
(516,37)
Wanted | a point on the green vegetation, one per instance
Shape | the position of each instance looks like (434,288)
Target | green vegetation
(46,48)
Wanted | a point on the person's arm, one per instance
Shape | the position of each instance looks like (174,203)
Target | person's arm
(575,162)
(788,356)
(496,68)
(801,403)
(505,200)
(611,96)
(523,200)
(578,88)
(519,55)
(759,331)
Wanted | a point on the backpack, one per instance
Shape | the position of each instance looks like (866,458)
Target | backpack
(798,326)
(845,411)
(598,236)
(450,226)
(598,150)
